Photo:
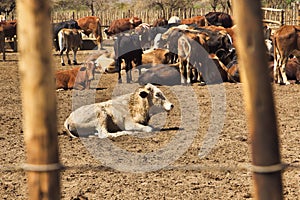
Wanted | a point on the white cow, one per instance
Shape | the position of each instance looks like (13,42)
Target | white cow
(120,116)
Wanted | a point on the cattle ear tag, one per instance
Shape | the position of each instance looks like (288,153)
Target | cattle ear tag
(143,94)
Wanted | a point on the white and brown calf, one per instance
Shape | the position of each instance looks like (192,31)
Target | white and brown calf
(120,116)
(69,39)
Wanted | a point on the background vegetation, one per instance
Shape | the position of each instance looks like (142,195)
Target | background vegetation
(7,7)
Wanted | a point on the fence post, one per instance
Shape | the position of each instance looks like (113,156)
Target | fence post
(259,101)
(298,13)
(282,17)
(38,99)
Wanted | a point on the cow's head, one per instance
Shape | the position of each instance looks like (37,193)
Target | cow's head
(90,70)
(135,21)
(155,97)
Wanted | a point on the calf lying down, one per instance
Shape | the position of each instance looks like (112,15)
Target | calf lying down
(120,116)
(75,78)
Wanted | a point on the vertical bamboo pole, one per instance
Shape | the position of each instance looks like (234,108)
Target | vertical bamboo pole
(39,100)
(259,100)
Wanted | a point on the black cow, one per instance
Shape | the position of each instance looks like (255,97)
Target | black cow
(128,47)
(71,24)
(219,19)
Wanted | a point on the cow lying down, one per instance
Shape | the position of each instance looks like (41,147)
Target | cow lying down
(160,74)
(120,116)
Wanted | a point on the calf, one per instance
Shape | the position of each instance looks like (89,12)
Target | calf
(72,24)
(2,42)
(76,78)
(119,116)
(92,24)
(69,39)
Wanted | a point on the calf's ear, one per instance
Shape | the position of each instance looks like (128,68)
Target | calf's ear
(143,94)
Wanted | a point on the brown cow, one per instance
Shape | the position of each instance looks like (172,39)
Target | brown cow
(156,56)
(92,24)
(2,42)
(121,25)
(77,78)
(160,22)
(285,43)
(9,28)
(198,20)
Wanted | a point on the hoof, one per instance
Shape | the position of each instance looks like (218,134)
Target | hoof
(286,83)
(69,62)
(75,63)
(63,64)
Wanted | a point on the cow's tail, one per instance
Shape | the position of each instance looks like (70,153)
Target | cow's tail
(60,41)
(275,54)
(68,131)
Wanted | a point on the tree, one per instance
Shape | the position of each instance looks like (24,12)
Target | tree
(7,7)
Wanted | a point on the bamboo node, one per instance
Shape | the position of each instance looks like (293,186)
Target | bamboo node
(269,169)
(42,167)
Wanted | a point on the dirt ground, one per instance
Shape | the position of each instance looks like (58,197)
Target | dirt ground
(162,165)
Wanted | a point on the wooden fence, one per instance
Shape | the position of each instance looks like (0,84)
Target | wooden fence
(275,17)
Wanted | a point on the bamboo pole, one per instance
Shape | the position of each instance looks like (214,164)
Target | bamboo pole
(259,101)
(38,98)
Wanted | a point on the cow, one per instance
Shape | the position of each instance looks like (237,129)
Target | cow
(119,116)
(285,43)
(9,28)
(192,53)
(143,30)
(160,74)
(219,19)
(196,20)
(234,69)
(174,20)
(216,39)
(292,69)
(2,43)
(69,39)
(160,22)
(228,74)
(127,47)
(75,78)
(71,24)
(122,25)
(156,56)
(92,24)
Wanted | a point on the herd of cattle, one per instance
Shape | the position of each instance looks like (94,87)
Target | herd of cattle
(183,51)
(167,52)
(179,51)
